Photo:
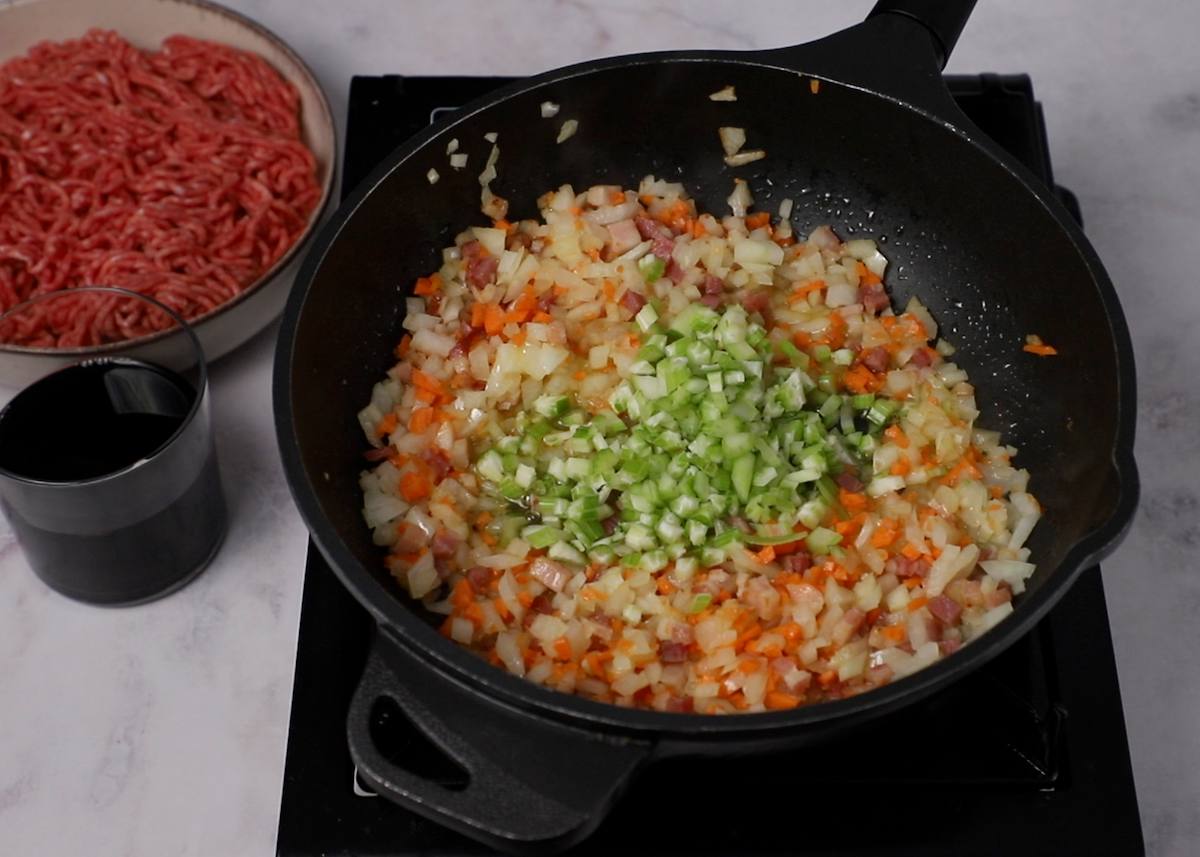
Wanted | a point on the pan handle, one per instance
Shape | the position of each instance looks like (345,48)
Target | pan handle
(527,785)
(944,19)
(898,50)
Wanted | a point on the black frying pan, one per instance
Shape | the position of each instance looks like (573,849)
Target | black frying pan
(879,150)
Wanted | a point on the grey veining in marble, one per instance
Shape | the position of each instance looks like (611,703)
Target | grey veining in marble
(160,730)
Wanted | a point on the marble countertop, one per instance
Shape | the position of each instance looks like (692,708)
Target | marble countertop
(160,730)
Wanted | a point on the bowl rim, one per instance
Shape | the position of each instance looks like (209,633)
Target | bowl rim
(314,219)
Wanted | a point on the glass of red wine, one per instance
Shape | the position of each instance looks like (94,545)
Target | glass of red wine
(108,470)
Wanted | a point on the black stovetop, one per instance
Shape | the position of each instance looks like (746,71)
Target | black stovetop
(1027,756)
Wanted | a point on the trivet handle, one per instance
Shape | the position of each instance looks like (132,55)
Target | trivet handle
(533,785)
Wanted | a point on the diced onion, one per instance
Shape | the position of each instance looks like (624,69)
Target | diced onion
(727,93)
(740,199)
(742,158)
(567,130)
(732,139)
(549,109)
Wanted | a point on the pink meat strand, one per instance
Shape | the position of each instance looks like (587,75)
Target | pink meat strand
(177,173)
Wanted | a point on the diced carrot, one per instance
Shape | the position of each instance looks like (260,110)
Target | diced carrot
(403,346)
(580,375)
(525,598)
(477,313)
(415,486)
(523,307)
(428,285)
(474,612)
(502,224)
(814,85)
(790,632)
(488,539)
(753,632)
(916,604)
(675,215)
(910,551)
(964,467)
(444,628)
(835,335)
(664,586)
(483,519)
(827,678)
(789,548)
(749,666)
(816,575)
(804,291)
(860,379)
(425,396)
(493,319)
(779,701)
(562,649)
(542,317)
(884,534)
(1041,350)
(895,633)
(593,663)
(902,467)
(866,274)
(519,338)
(896,435)
(698,230)
(849,528)
(427,382)
(766,555)
(558,290)
(462,595)
(610,290)
(387,425)
(502,608)
(851,500)
(912,582)
(421,419)
(758,219)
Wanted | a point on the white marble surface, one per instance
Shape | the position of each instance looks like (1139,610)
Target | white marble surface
(161,730)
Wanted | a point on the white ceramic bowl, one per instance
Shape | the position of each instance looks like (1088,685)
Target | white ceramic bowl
(146,23)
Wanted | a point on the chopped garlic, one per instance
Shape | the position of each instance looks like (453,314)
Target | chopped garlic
(549,109)
(452,146)
(458,161)
(432,175)
(726,94)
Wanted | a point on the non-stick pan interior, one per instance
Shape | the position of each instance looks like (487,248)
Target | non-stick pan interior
(959,229)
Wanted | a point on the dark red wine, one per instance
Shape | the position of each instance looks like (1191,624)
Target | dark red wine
(92,420)
(110,480)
